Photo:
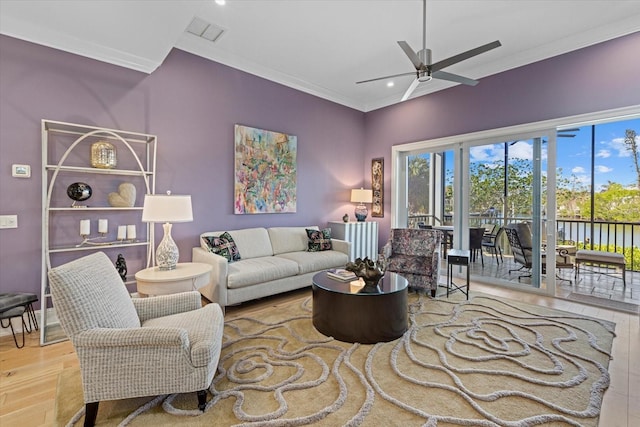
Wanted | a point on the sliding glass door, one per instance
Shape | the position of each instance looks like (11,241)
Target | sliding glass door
(483,183)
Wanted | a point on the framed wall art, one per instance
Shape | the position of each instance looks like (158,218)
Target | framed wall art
(377,185)
(265,171)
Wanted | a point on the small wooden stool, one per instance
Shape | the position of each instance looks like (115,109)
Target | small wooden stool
(601,258)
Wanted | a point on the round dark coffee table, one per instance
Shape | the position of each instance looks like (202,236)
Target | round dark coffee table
(342,312)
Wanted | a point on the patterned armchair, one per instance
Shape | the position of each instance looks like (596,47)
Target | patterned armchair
(415,254)
(132,347)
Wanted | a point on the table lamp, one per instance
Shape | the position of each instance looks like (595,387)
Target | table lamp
(361,197)
(168,209)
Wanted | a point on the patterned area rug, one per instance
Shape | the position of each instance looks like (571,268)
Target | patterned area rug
(483,362)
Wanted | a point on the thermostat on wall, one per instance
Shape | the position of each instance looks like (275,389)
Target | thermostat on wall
(21,171)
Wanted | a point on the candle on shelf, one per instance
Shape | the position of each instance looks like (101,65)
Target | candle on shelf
(103,226)
(85,227)
(131,232)
(122,232)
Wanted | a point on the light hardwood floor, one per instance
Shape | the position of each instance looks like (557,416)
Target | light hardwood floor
(29,375)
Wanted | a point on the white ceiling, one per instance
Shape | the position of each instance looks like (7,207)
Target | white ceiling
(323,47)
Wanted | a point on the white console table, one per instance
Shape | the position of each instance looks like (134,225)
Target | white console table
(363,237)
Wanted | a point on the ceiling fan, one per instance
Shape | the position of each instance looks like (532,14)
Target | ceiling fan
(425,70)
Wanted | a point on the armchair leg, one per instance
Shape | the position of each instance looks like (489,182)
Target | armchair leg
(202,399)
(90,414)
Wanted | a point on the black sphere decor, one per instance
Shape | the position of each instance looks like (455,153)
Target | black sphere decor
(79,191)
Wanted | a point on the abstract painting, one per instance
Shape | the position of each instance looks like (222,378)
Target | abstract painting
(265,171)
(377,185)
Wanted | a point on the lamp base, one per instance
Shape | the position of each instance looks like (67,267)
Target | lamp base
(167,253)
(361,213)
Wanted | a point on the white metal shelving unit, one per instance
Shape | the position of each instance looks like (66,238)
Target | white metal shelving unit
(65,158)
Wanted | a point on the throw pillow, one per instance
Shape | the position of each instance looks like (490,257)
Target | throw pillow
(223,245)
(319,240)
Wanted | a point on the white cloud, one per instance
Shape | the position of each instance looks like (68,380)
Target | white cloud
(582,179)
(603,169)
(618,146)
(603,153)
(487,153)
(578,169)
(521,150)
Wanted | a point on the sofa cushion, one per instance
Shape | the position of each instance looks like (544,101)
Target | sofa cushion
(247,272)
(223,245)
(319,240)
(251,242)
(316,261)
(289,239)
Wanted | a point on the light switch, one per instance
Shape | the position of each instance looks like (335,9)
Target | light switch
(8,221)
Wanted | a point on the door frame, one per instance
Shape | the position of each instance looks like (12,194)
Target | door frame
(547,128)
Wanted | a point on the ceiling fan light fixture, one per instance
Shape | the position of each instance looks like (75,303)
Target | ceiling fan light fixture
(390,84)
(425,78)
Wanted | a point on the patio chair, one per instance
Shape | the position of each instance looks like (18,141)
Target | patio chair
(415,255)
(490,229)
(134,347)
(491,243)
(519,237)
(475,243)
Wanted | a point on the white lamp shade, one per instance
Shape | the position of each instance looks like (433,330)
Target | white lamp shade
(167,208)
(361,196)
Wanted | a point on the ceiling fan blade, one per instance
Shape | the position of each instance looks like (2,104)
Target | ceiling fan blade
(569,130)
(464,55)
(412,73)
(415,60)
(442,75)
(414,85)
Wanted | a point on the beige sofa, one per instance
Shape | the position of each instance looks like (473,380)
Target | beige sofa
(273,260)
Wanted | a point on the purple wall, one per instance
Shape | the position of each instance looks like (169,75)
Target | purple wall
(191,104)
(597,78)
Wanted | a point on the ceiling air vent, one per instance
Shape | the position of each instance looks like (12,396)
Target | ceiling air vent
(204,29)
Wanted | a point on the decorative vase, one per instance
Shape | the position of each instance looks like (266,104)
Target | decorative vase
(103,155)
(121,266)
(345,218)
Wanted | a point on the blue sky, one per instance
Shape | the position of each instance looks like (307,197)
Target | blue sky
(613,161)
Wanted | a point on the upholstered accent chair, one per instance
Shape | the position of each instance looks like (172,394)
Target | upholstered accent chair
(414,254)
(132,347)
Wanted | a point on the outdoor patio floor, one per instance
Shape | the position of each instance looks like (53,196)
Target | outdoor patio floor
(603,286)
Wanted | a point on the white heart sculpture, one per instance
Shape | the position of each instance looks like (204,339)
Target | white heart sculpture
(125,197)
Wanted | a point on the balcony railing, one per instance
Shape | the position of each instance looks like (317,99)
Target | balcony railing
(621,237)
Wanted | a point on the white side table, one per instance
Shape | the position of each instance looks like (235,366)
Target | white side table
(187,276)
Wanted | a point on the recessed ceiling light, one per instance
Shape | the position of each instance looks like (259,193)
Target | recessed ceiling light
(390,84)
(220,2)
